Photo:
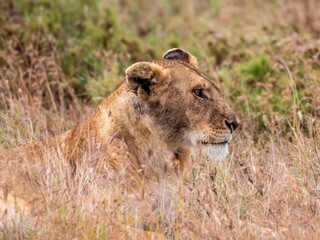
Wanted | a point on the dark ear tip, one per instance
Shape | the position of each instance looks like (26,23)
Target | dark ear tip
(179,54)
(176,53)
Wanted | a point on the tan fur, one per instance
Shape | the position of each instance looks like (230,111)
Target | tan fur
(146,129)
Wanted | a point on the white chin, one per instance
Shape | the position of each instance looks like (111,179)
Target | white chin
(214,152)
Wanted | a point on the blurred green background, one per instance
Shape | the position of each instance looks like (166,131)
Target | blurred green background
(265,54)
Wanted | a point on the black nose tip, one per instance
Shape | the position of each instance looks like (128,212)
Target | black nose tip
(232,125)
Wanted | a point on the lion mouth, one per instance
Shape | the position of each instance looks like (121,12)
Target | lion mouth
(213,143)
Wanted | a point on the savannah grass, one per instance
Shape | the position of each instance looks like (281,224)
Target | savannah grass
(58,59)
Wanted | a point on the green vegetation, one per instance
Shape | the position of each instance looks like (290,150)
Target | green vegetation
(59,58)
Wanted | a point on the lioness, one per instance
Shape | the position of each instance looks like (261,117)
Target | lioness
(148,128)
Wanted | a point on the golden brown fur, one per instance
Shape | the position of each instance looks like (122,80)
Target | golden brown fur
(146,129)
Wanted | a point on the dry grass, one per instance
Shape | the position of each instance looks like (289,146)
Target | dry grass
(58,59)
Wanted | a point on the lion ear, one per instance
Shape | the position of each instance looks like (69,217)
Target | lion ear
(142,76)
(179,54)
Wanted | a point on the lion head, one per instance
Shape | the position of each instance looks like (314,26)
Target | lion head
(183,106)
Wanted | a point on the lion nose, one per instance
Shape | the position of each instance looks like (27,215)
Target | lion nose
(232,125)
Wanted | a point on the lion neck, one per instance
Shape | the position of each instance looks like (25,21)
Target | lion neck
(121,133)
(129,131)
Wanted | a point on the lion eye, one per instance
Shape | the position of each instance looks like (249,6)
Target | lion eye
(199,93)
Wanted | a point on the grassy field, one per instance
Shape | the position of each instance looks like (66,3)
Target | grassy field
(59,58)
